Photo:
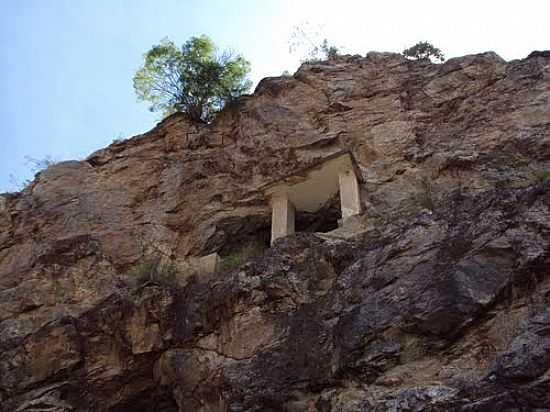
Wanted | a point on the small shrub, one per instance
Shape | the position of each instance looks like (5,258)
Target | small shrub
(330,51)
(241,254)
(526,175)
(538,175)
(424,50)
(425,197)
(118,139)
(37,165)
(153,270)
(18,185)
(307,40)
(503,184)
(507,325)
(412,349)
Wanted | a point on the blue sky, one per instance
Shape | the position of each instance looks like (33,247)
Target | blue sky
(67,65)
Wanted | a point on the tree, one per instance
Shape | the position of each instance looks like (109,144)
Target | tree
(194,79)
(330,51)
(424,50)
(306,40)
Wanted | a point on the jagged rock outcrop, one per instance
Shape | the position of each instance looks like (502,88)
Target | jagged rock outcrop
(439,303)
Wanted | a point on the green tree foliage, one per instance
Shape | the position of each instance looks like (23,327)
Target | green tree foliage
(424,50)
(194,79)
(330,51)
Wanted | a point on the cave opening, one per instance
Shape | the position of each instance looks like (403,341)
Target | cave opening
(241,239)
(251,231)
(322,221)
(251,236)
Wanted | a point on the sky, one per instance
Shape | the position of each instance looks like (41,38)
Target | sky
(66,66)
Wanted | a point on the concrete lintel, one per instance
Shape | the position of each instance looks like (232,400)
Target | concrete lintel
(310,189)
(304,173)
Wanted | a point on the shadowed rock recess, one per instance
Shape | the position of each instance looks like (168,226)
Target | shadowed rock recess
(435,299)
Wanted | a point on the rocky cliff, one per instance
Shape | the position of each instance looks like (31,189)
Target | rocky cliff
(438,301)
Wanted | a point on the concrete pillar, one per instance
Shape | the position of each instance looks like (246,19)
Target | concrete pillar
(209,263)
(350,200)
(282,216)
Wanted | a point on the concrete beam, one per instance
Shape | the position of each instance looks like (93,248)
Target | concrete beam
(282,216)
(350,198)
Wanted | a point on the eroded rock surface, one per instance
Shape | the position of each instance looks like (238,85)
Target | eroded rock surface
(439,302)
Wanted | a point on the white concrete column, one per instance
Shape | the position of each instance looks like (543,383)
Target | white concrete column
(282,216)
(209,263)
(350,200)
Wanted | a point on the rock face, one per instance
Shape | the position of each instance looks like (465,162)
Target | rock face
(440,302)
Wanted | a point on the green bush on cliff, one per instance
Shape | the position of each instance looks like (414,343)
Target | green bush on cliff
(538,175)
(241,254)
(424,50)
(194,79)
(153,270)
(425,197)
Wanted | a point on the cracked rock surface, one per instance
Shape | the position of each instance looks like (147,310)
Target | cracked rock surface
(440,302)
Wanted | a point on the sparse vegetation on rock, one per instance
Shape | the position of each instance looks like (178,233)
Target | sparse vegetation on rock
(153,270)
(309,42)
(36,166)
(539,175)
(425,197)
(241,254)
